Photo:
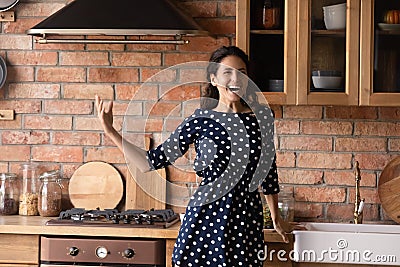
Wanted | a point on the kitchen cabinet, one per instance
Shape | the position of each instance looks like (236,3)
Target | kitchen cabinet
(367,57)
(19,250)
(380,55)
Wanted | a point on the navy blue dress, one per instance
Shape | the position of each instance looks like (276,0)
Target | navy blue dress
(234,156)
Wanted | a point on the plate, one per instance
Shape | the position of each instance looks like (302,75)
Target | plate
(389,27)
(3,72)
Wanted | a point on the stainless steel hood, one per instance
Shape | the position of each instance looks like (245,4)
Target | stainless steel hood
(118,17)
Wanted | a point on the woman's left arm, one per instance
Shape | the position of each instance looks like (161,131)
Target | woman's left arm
(282,227)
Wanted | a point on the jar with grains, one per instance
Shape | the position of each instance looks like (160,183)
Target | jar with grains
(28,199)
(50,194)
(9,194)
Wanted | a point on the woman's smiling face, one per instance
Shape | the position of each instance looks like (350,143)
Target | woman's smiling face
(231,79)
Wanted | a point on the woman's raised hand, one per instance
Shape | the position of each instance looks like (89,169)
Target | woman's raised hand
(105,114)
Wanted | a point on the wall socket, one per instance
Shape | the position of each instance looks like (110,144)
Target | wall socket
(7,115)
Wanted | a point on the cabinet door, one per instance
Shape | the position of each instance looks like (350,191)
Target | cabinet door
(323,46)
(380,55)
(272,52)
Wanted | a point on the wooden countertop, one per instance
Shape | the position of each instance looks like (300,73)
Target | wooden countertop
(36,225)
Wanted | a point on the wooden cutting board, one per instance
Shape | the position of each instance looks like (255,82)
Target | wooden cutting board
(96,185)
(389,189)
(145,190)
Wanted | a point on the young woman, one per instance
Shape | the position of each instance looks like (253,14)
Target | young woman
(234,147)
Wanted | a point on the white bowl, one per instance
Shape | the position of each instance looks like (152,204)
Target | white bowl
(335,16)
(327,82)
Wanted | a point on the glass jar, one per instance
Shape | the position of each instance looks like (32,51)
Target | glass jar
(28,200)
(271,18)
(9,194)
(268,224)
(50,194)
(286,204)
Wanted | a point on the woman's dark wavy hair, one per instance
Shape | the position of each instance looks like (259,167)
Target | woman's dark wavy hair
(210,94)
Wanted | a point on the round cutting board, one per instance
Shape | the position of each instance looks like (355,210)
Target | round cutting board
(389,189)
(96,185)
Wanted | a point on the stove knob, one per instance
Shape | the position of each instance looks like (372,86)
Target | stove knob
(128,253)
(73,251)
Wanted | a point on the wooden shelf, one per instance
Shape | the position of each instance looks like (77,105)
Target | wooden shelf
(331,33)
(276,32)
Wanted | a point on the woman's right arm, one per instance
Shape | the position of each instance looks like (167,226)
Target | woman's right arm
(132,153)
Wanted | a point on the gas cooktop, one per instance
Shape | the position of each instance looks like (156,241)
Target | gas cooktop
(112,217)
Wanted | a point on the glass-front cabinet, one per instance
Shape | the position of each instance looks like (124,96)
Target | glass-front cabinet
(380,53)
(266,30)
(327,52)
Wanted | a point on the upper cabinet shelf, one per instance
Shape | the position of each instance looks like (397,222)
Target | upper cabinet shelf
(364,52)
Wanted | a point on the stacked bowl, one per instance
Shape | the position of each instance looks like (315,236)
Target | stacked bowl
(335,16)
(327,79)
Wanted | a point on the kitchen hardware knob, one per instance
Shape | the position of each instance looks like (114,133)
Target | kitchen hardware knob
(101,252)
(73,251)
(128,253)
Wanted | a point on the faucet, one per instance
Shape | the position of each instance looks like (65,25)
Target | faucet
(358,203)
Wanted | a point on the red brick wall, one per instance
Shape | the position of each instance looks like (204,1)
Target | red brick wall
(51,88)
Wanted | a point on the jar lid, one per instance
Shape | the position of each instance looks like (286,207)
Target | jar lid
(50,175)
(7,175)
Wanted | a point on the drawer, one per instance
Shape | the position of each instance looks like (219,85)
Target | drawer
(19,249)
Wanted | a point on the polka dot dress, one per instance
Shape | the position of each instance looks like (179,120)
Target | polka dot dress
(234,155)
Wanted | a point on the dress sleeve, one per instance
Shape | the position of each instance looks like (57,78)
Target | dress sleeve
(270,185)
(175,146)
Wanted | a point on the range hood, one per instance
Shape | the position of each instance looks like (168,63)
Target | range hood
(118,17)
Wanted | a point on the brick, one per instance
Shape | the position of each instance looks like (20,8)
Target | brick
(20,74)
(48,122)
(144,125)
(171,124)
(60,47)
(368,113)
(106,154)
(84,59)
(287,126)
(305,143)
(371,212)
(39,9)
(308,210)
(3,167)
(171,59)
(14,124)
(76,138)
(69,169)
(297,176)
(117,75)
(12,42)
(200,9)
(22,106)
(136,92)
(205,44)
(136,59)
(181,93)
(15,153)
(122,109)
(285,159)
(192,76)
(302,112)
(68,107)
(181,175)
(361,144)
(20,25)
(348,178)
(60,74)
(33,90)
(163,108)
(340,213)
(320,194)
(57,153)
(377,128)
(326,127)
(389,113)
(157,75)
(373,161)
(324,160)
(88,91)
(218,26)
(34,58)
(227,9)
(87,124)
(190,106)
(394,145)
(370,195)
(105,47)
(25,137)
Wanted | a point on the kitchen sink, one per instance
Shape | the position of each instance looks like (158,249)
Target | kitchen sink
(341,243)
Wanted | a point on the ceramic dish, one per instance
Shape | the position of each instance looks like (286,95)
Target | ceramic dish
(389,27)
(3,72)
